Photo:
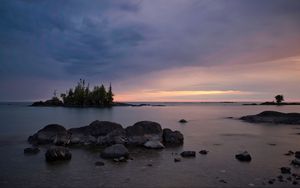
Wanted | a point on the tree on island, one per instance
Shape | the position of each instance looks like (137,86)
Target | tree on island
(279,99)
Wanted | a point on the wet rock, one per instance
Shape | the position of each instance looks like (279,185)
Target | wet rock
(31,150)
(295,162)
(50,134)
(203,152)
(143,131)
(297,154)
(271,182)
(58,154)
(273,117)
(177,159)
(285,170)
(222,181)
(115,151)
(99,163)
(149,165)
(243,156)
(172,137)
(117,136)
(295,183)
(289,153)
(182,121)
(154,144)
(188,154)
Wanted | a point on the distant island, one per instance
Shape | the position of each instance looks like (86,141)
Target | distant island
(279,102)
(82,96)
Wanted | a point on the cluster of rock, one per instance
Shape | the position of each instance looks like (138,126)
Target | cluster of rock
(273,117)
(104,133)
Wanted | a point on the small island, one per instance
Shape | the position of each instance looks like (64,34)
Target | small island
(279,102)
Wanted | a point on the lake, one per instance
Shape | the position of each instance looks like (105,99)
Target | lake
(207,128)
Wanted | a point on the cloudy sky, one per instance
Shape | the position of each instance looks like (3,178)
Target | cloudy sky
(158,50)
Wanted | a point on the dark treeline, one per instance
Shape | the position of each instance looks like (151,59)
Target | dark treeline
(81,95)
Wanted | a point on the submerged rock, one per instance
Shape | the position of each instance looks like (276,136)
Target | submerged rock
(50,134)
(115,151)
(273,117)
(31,150)
(154,144)
(243,156)
(143,131)
(58,154)
(203,152)
(172,137)
(188,154)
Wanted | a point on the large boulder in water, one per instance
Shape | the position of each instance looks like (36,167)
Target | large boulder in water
(58,154)
(95,132)
(115,151)
(172,137)
(51,134)
(143,131)
(273,117)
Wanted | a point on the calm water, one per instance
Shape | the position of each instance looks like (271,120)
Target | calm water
(207,129)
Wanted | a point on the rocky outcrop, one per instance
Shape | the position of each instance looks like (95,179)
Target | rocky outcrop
(143,131)
(52,102)
(273,117)
(58,154)
(51,134)
(115,151)
(172,137)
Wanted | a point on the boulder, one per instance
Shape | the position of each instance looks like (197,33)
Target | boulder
(273,117)
(154,144)
(50,134)
(172,137)
(243,156)
(143,131)
(98,132)
(115,151)
(188,154)
(58,154)
(31,150)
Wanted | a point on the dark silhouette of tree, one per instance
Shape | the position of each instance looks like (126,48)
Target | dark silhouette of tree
(110,96)
(279,99)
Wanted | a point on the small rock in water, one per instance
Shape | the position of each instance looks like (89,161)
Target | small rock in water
(222,181)
(149,165)
(182,121)
(271,181)
(32,150)
(203,152)
(285,170)
(188,154)
(297,154)
(272,144)
(289,153)
(99,163)
(295,162)
(243,156)
(177,159)
(295,183)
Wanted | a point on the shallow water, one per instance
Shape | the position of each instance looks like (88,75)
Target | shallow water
(207,129)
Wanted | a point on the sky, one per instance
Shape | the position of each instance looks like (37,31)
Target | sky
(158,50)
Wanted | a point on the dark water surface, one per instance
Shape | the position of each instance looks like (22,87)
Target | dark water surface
(207,129)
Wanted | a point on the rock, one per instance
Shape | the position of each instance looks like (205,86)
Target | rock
(177,159)
(99,163)
(149,165)
(58,154)
(289,153)
(143,131)
(98,132)
(182,121)
(295,162)
(52,102)
(222,181)
(115,151)
(273,117)
(172,137)
(154,144)
(271,181)
(188,154)
(50,134)
(297,154)
(295,183)
(285,170)
(32,150)
(243,156)
(203,152)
